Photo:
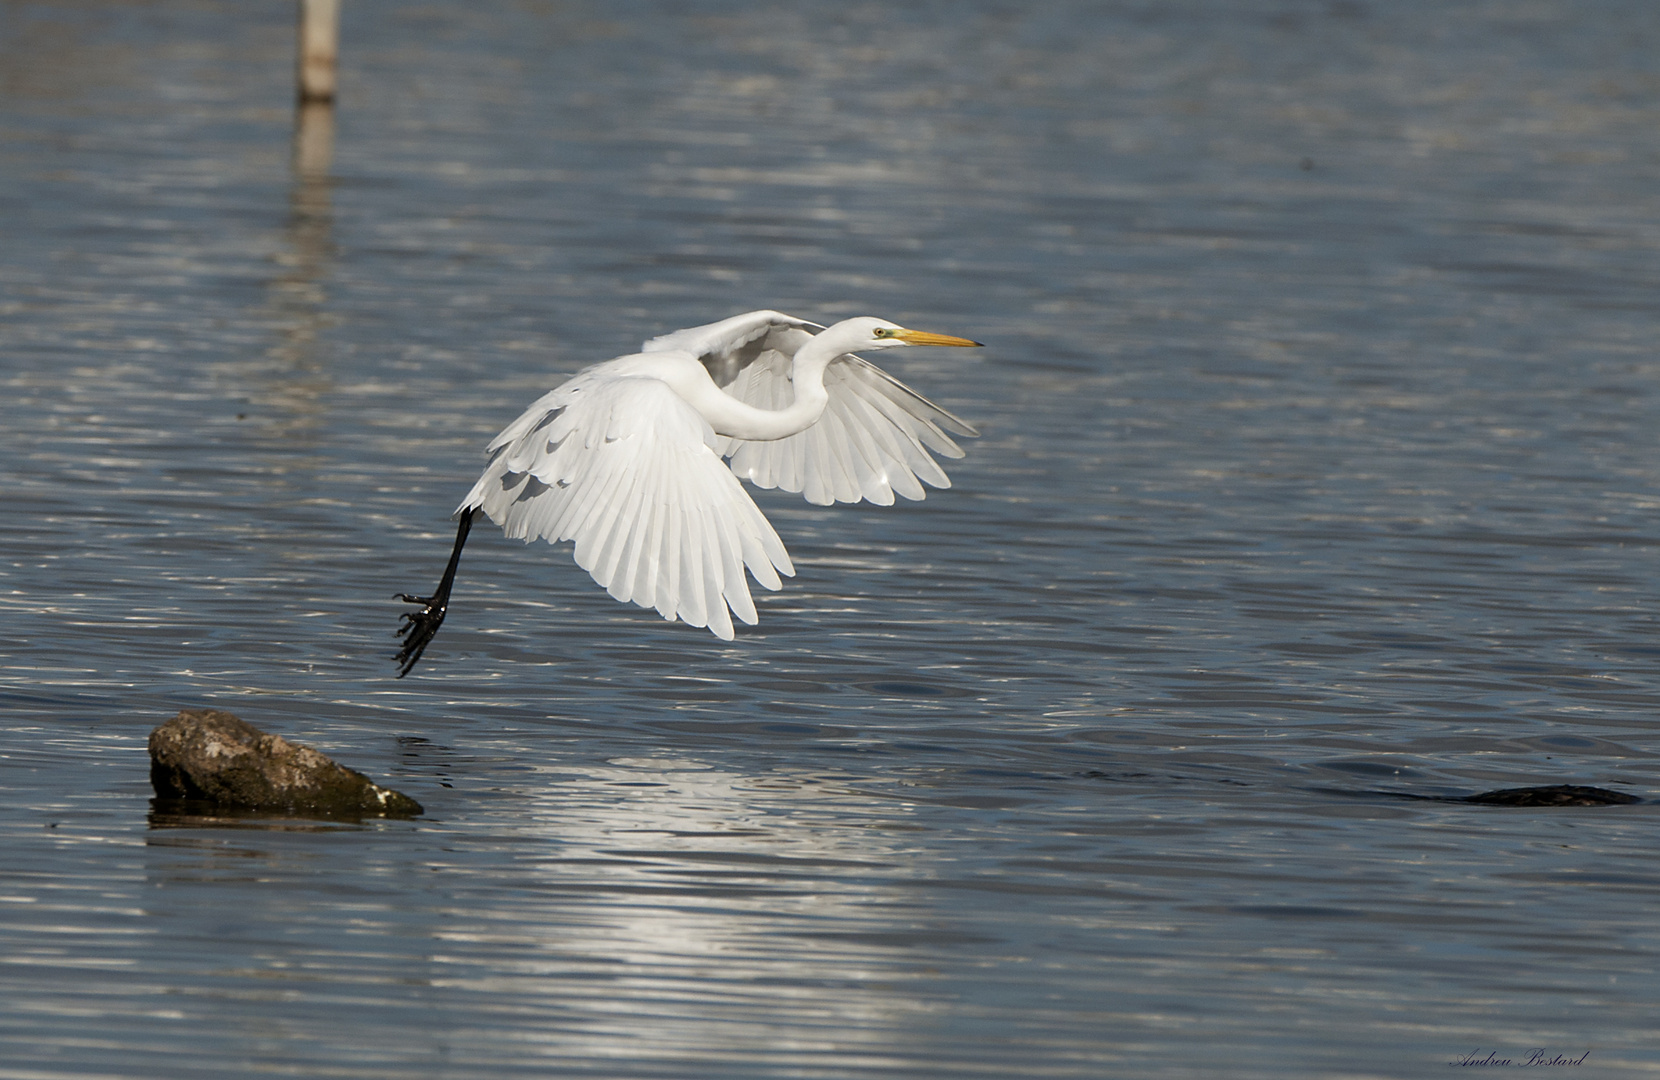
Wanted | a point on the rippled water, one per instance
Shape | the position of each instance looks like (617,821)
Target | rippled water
(1319,463)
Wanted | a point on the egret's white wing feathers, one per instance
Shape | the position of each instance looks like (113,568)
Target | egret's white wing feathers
(872,441)
(626,468)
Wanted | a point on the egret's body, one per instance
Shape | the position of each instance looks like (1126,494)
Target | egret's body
(625,459)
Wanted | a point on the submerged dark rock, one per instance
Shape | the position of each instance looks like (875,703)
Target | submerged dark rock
(212,756)
(1553,795)
(1548,795)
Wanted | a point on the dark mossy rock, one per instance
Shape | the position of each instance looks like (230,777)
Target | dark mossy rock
(212,757)
(1554,795)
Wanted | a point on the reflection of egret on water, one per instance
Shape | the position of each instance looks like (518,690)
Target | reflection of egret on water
(689,892)
(625,459)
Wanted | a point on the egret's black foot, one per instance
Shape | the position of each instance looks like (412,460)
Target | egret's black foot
(419,628)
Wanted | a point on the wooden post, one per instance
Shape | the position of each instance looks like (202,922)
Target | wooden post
(319,46)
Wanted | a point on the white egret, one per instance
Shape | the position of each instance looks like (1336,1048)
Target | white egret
(624,458)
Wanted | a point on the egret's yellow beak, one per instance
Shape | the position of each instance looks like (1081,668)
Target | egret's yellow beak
(923,337)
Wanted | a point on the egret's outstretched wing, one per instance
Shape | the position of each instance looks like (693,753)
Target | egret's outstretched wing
(873,439)
(728,346)
(624,467)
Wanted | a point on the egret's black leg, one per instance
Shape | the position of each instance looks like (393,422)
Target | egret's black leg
(419,627)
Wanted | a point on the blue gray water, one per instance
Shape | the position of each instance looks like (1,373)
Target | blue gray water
(1320,410)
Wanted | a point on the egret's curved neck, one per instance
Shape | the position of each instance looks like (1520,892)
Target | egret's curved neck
(735,419)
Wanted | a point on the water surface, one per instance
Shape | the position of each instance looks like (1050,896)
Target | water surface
(1319,464)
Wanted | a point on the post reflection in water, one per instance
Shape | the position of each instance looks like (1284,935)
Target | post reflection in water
(313,153)
(298,377)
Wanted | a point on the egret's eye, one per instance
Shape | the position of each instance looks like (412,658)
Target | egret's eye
(883,331)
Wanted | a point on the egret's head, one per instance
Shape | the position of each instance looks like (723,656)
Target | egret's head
(881,334)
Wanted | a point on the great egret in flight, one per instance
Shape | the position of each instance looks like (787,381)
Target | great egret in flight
(625,459)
